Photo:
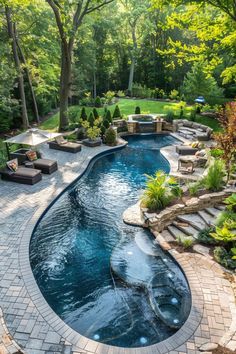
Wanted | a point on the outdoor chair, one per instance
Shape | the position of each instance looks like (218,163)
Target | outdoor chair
(29,159)
(63,145)
(20,174)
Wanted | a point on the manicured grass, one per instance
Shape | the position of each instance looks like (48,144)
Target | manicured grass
(210,122)
(127,106)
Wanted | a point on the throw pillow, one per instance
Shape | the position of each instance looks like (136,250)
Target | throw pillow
(32,155)
(13,165)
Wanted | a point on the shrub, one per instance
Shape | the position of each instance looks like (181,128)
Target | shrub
(193,114)
(109,95)
(95,113)
(93,132)
(226,233)
(231,202)
(158,93)
(110,137)
(137,110)
(83,114)
(224,258)
(225,216)
(170,116)
(193,188)
(120,93)
(72,115)
(103,129)
(81,134)
(98,102)
(116,113)
(160,190)
(5,123)
(108,116)
(174,95)
(216,153)
(204,236)
(106,123)
(214,180)
(186,242)
(91,119)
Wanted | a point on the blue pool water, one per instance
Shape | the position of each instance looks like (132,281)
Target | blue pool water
(110,281)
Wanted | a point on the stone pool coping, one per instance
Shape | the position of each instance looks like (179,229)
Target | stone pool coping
(30,293)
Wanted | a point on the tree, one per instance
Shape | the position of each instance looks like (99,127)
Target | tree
(12,38)
(117,113)
(135,11)
(198,83)
(226,140)
(69,18)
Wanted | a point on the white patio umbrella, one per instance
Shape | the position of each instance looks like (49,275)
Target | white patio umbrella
(31,137)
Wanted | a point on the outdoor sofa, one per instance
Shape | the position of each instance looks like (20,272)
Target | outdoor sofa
(21,175)
(44,165)
(63,145)
(192,130)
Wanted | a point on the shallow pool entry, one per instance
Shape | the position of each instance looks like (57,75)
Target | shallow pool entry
(110,281)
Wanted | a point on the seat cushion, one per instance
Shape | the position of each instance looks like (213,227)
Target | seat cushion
(27,172)
(44,162)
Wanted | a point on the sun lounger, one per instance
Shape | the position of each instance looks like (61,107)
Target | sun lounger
(67,147)
(22,175)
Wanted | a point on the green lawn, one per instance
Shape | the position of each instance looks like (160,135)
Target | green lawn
(127,106)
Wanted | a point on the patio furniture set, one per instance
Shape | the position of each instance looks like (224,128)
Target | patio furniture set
(192,130)
(26,166)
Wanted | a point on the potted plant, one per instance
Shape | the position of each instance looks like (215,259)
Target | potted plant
(93,134)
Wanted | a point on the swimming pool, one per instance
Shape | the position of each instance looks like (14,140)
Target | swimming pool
(110,281)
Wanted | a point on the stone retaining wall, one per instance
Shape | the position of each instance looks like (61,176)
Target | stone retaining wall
(167,216)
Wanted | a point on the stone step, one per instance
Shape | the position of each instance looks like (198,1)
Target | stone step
(177,233)
(213,211)
(194,220)
(220,207)
(189,230)
(209,219)
(168,237)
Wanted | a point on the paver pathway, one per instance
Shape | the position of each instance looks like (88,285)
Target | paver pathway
(34,329)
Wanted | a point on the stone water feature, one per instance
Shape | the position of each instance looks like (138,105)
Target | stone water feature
(145,123)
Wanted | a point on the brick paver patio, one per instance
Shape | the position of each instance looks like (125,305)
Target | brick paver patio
(28,322)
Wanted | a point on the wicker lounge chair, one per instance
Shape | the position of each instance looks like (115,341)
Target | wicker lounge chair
(186,150)
(22,175)
(44,165)
(67,146)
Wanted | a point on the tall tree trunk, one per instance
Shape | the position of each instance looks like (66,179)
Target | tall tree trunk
(65,83)
(133,58)
(35,106)
(20,76)
(131,75)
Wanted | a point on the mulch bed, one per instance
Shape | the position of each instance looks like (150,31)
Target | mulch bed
(221,350)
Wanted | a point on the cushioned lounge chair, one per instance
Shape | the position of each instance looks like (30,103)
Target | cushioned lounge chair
(186,150)
(67,147)
(22,175)
(46,166)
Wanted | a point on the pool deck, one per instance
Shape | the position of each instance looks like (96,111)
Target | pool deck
(28,325)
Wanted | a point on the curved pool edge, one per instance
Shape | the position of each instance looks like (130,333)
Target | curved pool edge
(73,337)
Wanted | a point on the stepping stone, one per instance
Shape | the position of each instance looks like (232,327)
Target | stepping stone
(168,237)
(177,233)
(189,230)
(213,211)
(221,207)
(209,219)
(201,249)
(194,220)
(208,347)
